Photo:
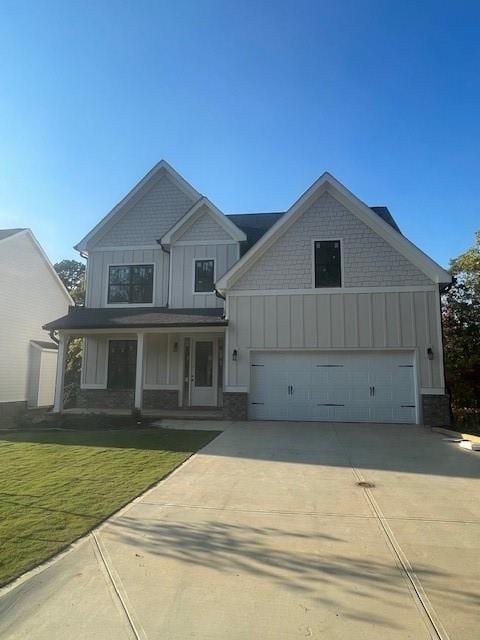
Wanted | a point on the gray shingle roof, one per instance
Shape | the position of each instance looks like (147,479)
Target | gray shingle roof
(45,344)
(255,225)
(139,317)
(6,233)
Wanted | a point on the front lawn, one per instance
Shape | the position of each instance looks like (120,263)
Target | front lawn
(57,485)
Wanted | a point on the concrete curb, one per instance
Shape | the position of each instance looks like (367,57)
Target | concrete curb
(457,434)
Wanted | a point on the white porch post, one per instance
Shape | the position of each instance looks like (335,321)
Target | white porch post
(60,377)
(139,373)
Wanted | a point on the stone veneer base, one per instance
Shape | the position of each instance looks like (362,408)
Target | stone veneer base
(436,410)
(235,405)
(105,398)
(160,399)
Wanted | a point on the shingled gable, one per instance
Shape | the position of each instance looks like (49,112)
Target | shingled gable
(200,208)
(329,184)
(138,191)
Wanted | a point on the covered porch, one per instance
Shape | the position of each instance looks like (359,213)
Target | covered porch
(155,360)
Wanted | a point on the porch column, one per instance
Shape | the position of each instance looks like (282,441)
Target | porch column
(60,376)
(139,373)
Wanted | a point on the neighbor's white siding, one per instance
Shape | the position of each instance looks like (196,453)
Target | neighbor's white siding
(97,273)
(368,260)
(182,283)
(149,217)
(31,296)
(380,320)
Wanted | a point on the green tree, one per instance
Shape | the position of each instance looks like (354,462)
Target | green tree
(461,326)
(72,274)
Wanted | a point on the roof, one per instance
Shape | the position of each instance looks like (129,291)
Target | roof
(139,317)
(45,344)
(6,233)
(254,225)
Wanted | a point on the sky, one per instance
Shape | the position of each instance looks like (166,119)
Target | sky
(249,101)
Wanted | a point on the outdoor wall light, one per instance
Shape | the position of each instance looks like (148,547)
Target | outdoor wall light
(175,347)
(234,355)
(430,353)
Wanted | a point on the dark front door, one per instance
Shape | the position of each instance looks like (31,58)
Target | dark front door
(122,364)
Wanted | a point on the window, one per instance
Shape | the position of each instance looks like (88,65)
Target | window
(130,284)
(204,276)
(122,364)
(328,263)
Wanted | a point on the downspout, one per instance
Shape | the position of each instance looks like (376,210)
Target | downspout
(168,252)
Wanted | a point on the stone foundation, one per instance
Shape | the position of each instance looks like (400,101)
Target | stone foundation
(9,412)
(160,399)
(105,399)
(235,405)
(436,410)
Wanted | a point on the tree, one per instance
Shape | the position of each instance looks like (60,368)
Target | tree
(461,325)
(72,274)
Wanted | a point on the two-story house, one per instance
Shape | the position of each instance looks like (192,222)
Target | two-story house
(325,312)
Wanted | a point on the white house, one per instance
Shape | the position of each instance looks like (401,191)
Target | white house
(323,312)
(31,294)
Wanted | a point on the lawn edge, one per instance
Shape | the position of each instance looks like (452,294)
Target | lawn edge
(36,569)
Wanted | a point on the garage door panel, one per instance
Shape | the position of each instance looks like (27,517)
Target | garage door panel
(344,386)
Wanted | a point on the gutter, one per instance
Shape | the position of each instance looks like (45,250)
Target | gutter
(168,252)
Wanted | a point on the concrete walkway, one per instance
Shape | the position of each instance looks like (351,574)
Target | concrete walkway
(266,534)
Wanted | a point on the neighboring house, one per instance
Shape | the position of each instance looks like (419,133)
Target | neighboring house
(324,312)
(31,294)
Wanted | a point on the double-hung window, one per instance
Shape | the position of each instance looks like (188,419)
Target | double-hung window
(328,263)
(204,274)
(130,284)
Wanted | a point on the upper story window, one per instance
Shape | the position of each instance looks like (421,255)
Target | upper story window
(204,276)
(328,263)
(130,284)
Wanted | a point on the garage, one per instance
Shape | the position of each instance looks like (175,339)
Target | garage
(343,386)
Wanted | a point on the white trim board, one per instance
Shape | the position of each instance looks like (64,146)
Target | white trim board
(325,290)
(328,184)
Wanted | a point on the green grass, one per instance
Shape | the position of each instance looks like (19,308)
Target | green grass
(57,485)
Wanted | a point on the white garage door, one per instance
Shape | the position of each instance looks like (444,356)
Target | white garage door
(340,387)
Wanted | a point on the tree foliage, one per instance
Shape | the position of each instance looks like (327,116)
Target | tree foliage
(72,274)
(461,326)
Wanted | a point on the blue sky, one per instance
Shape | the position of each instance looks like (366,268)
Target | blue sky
(250,101)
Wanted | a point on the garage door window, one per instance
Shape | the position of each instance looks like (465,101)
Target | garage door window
(328,263)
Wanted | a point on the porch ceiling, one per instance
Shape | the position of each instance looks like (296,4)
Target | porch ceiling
(138,317)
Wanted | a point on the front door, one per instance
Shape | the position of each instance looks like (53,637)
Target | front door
(203,373)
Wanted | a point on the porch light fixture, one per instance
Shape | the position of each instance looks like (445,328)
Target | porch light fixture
(175,347)
(430,353)
(234,355)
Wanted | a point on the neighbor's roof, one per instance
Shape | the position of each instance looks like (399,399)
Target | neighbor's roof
(6,233)
(139,317)
(45,344)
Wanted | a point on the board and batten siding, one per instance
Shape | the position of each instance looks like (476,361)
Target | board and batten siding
(182,281)
(97,273)
(161,367)
(370,320)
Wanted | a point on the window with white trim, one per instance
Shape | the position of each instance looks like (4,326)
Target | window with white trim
(328,263)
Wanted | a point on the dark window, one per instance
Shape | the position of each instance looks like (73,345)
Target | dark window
(204,276)
(130,284)
(122,364)
(328,263)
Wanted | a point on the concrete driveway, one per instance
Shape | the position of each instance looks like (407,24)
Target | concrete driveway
(266,534)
